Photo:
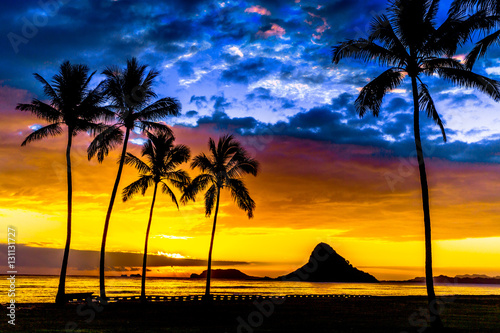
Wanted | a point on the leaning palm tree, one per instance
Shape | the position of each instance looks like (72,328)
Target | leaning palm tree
(224,168)
(72,103)
(130,91)
(409,44)
(163,158)
(492,8)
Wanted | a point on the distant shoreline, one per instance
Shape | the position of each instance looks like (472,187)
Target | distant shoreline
(438,280)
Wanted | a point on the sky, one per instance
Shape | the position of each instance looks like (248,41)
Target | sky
(260,70)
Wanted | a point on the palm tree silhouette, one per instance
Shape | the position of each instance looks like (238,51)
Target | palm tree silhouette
(225,167)
(490,7)
(130,90)
(408,42)
(163,158)
(73,104)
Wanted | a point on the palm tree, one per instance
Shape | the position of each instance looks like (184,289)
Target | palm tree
(73,104)
(491,7)
(163,158)
(409,44)
(225,167)
(129,90)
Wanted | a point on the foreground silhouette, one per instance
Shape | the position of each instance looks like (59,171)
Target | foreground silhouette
(163,158)
(410,45)
(130,90)
(73,104)
(227,163)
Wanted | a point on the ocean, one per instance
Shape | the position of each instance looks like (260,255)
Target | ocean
(42,289)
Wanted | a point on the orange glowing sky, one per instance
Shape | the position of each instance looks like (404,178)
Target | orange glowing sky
(307,192)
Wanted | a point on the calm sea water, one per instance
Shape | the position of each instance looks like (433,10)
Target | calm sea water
(44,288)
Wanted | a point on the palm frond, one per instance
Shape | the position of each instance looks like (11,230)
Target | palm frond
(382,30)
(148,83)
(47,88)
(210,200)
(137,163)
(455,33)
(432,11)
(41,110)
(240,164)
(198,184)
(365,50)
(178,155)
(370,97)
(490,6)
(104,142)
(161,108)
(113,87)
(202,162)
(468,79)
(82,125)
(179,178)
(481,48)
(49,130)
(429,66)
(427,104)
(157,128)
(140,185)
(212,147)
(241,196)
(166,190)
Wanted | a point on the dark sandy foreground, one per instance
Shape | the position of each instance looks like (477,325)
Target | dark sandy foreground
(368,314)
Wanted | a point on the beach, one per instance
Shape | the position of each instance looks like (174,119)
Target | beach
(292,314)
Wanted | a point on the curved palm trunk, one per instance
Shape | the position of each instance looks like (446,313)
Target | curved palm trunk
(145,258)
(61,297)
(436,323)
(108,216)
(209,269)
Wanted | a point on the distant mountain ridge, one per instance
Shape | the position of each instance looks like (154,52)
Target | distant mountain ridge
(467,279)
(326,265)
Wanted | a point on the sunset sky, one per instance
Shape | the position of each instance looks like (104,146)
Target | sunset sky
(260,70)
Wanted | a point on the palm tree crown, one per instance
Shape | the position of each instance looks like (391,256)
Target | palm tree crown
(224,168)
(408,42)
(71,103)
(130,91)
(162,160)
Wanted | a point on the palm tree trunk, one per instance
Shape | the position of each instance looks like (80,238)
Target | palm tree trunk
(209,269)
(436,323)
(60,297)
(145,258)
(108,216)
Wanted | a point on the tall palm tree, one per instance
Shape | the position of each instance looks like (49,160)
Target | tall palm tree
(163,158)
(72,103)
(491,7)
(130,91)
(408,42)
(224,168)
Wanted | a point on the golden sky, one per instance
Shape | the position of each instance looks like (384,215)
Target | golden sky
(307,192)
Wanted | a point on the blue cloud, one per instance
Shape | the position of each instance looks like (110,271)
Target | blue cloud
(250,70)
(200,101)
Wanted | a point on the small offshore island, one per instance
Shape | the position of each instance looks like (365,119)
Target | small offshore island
(324,265)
